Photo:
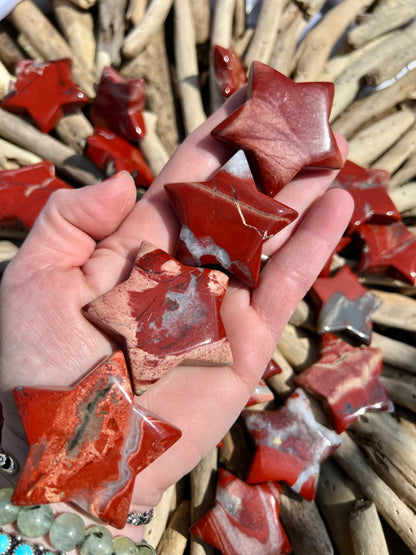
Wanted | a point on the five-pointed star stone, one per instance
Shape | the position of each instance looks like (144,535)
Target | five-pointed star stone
(368,188)
(88,442)
(290,444)
(44,91)
(167,314)
(24,192)
(389,250)
(119,105)
(284,127)
(226,220)
(345,306)
(346,380)
(245,519)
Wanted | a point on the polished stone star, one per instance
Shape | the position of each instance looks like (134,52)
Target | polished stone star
(284,127)
(345,306)
(166,314)
(24,192)
(388,250)
(119,105)
(88,442)
(289,444)
(346,380)
(44,91)
(226,220)
(368,188)
(245,519)
(229,70)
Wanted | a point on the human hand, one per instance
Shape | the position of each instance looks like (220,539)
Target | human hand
(84,243)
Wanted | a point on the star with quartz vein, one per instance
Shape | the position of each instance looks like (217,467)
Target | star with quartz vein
(283,127)
(166,314)
(88,442)
(245,519)
(24,192)
(345,306)
(45,91)
(346,380)
(226,220)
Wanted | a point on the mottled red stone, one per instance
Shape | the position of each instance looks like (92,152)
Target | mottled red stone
(226,220)
(272,369)
(229,70)
(112,154)
(284,127)
(166,314)
(344,305)
(290,445)
(388,250)
(119,105)
(88,442)
(44,91)
(346,380)
(244,519)
(261,394)
(24,192)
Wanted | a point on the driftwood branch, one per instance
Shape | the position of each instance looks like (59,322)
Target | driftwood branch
(405,173)
(10,53)
(399,152)
(298,347)
(366,530)
(404,197)
(293,23)
(15,156)
(73,130)
(151,146)
(395,311)
(153,531)
(395,352)
(110,34)
(175,537)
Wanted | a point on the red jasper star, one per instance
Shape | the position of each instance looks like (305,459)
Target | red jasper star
(119,105)
(245,519)
(167,314)
(229,70)
(44,91)
(284,127)
(88,442)
(24,192)
(346,380)
(226,220)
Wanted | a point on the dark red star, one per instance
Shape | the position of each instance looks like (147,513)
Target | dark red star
(166,313)
(284,127)
(245,519)
(229,70)
(290,444)
(226,220)
(44,91)
(88,442)
(119,105)
(347,381)
(24,192)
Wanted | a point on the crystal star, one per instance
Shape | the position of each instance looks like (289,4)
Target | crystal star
(389,249)
(88,442)
(24,192)
(226,220)
(119,105)
(44,91)
(345,306)
(167,314)
(284,127)
(290,445)
(346,380)
(244,519)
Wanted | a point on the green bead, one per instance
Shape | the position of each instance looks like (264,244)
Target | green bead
(35,520)
(145,548)
(98,541)
(67,531)
(124,546)
(8,511)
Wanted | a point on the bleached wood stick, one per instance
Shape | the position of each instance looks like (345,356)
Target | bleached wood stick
(175,537)
(73,130)
(153,150)
(154,530)
(298,347)
(401,393)
(10,53)
(311,7)
(7,251)
(392,66)
(304,316)
(282,384)
(110,33)
(282,57)
(396,311)
(399,152)
(31,52)
(239,18)
(139,37)
(395,352)
(366,530)
(6,80)
(201,12)
(84,4)
(404,197)
(135,11)
(387,282)
(404,174)
(398,374)
(9,152)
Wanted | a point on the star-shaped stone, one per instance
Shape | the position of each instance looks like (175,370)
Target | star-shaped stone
(229,70)
(245,519)
(166,314)
(24,192)
(226,220)
(368,188)
(346,380)
(45,91)
(344,305)
(261,394)
(119,105)
(284,127)
(389,250)
(289,445)
(88,442)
